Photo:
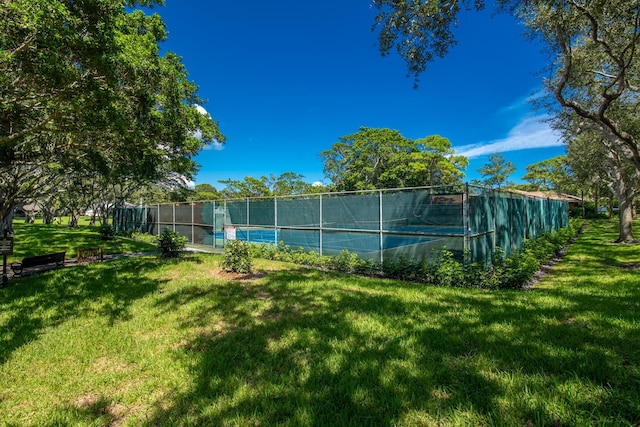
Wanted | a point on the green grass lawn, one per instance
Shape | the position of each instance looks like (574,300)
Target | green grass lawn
(148,341)
(40,239)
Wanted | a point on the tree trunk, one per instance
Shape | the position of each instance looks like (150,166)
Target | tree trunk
(623,184)
(73,221)
(610,207)
(626,219)
(6,222)
(47,216)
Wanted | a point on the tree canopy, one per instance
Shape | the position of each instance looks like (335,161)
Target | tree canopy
(86,91)
(383,158)
(551,174)
(496,172)
(593,47)
(287,183)
(593,69)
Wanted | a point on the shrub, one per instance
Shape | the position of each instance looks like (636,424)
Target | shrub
(449,272)
(344,262)
(442,269)
(107,232)
(237,257)
(170,243)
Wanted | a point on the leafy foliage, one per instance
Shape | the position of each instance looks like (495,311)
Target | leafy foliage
(383,158)
(286,183)
(107,232)
(442,269)
(552,174)
(171,244)
(237,257)
(91,97)
(496,172)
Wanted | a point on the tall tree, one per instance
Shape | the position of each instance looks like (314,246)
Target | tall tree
(551,174)
(594,48)
(497,171)
(248,187)
(287,183)
(84,89)
(591,158)
(383,158)
(435,163)
(204,192)
(596,67)
(593,44)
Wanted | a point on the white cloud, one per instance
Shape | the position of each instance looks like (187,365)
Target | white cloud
(524,103)
(201,109)
(531,132)
(214,145)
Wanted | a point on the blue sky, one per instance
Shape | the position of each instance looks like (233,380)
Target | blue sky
(286,79)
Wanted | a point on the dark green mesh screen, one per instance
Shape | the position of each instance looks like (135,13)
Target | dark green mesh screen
(300,212)
(237,213)
(360,211)
(414,223)
(183,214)
(262,212)
(166,214)
(420,211)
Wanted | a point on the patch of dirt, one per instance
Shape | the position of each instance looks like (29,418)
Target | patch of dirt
(632,266)
(239,277)
(546,268)
(87,401)
(98,405)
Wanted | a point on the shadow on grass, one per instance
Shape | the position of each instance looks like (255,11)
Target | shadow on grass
(295,349)
(318,355)
(39,239)
(32,304)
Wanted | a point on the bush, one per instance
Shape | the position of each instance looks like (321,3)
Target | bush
(107,232)
(442,269)
(237,257)
(170,243)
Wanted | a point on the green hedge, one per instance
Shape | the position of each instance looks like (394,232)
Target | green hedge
(514,272)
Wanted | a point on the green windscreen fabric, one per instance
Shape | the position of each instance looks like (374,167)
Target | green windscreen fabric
(262,212)
(237,212)
(471,222)
(299,212)
(351,211)
(422,212)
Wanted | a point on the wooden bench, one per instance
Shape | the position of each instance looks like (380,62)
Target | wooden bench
(38,260)
(90,255)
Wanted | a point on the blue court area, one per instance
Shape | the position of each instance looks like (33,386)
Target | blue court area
(365,244)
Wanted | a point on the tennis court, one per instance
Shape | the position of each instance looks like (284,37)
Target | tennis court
(377,225)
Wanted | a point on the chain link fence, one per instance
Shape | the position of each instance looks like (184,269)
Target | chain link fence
(379,224)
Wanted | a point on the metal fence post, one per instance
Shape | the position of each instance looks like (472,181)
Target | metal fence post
(381,227)
(321,223)
(494,206)
(465,220)
(275,219)
(247,227)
